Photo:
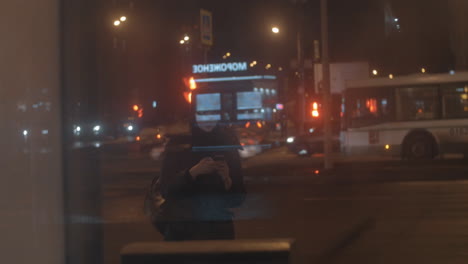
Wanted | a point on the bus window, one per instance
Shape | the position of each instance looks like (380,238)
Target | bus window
(417,103)
(455,101)
(367,109)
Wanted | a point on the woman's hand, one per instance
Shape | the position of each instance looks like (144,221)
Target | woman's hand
(205,166)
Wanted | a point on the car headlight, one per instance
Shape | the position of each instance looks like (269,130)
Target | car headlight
(290,140)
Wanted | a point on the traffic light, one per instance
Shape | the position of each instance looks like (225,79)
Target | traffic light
(315,111)
(192,84)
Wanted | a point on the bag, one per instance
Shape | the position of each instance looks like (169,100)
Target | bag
(153,205)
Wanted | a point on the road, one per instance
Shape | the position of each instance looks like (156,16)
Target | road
(378,211)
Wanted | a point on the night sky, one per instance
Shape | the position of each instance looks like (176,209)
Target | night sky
(358,32)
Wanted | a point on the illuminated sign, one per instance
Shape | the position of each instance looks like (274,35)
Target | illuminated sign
(220,67)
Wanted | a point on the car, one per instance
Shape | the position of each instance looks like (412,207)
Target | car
(312,141)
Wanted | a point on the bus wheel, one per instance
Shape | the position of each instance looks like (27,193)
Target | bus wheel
(420,147)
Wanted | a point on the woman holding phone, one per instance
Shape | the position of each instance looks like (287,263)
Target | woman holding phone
(200,182)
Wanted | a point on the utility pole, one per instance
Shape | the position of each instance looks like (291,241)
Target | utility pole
(300,65)
(326,86)
(301,87)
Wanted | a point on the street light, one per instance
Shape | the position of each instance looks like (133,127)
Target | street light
(186,38)
(182,42)
(375,72)
(275,30)
(117,23)
(123,18)
(423,70)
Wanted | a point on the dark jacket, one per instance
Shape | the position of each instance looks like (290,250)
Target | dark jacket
(203,199)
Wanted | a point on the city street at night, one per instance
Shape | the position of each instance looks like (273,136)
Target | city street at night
(368,211)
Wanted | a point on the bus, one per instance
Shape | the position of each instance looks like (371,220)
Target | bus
(414,117)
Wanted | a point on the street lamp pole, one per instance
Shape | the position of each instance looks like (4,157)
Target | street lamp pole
(301,71)
(326,86)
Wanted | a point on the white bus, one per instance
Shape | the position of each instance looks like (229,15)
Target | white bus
(415,117)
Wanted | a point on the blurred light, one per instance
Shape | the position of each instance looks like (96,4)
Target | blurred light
(317,172)
(140,113)
(423,70)
(311,130)
(464,96)
(188,97)
(158,136)
(274,110)
(193,84)
(398,27)
(375,72)
(155,104)
(290,140)
(228,54)
(130,128)
(262,111)
(268,66)
(279,106)
(387,147)
(186,38)
(96,128)
(254,62)
(25,132)
(138,138)
(371,105)
(236,78)
(303,152)
(275,30)
(116,23)
(123,18)
(259,124)
(182,42)
(315,112)
(280,69)
(97,145)
(452,72)
(390,76)
(78,128)
(224,57)
(396,19)
(135,108)
(247,125)
(45,132)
